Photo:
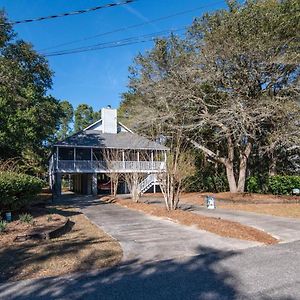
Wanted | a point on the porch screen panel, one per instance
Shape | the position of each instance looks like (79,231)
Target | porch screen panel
(130,155)
(83,154)
(145,155)
(66,153)
(98,154)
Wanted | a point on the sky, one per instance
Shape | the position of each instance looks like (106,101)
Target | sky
(97,78)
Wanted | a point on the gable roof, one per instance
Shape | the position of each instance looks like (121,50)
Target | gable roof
(121,140)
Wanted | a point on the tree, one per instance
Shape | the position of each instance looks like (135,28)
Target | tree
(29,117)
(226,84)
(84,116)
(66,119)
(111,157)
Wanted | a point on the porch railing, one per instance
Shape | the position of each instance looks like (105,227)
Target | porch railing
(70,166)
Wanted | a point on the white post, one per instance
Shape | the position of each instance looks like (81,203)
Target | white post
(94,184)
(74,163)
(92,158)
(56,158)
(123,159)
(152,160)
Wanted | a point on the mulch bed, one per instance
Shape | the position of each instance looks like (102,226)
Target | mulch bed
(241,198)
(218,226)
(82,247)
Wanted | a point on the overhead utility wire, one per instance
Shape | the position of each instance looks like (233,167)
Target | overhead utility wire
(114,44)
(107,47)
(117,41)
(72,13)
(134,26)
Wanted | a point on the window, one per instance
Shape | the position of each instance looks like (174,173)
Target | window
(65,153)
(83,154)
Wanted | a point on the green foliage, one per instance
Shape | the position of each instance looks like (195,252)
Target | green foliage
(84,116)
(29,117)
(26,218)
(66,119)
(253,184)
(206,183)
(3,225)
(283,185)
(18,190)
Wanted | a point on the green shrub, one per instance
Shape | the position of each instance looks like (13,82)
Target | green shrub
(282,184)
(253,184)
(26,218)
(3,225)
(17,190)
(201,182)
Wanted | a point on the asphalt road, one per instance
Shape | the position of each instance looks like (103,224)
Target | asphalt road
(256,273)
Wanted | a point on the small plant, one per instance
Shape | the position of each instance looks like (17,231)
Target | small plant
(3,225)
(49,218)
(26,218)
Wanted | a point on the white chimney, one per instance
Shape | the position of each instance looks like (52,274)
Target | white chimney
(109,120)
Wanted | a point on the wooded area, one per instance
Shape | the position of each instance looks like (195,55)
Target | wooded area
(226,94)
(230,86)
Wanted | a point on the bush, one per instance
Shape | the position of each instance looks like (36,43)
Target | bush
(283,185)
(3,225)
(17,190)
(26,218)
(253,184)
(201,182)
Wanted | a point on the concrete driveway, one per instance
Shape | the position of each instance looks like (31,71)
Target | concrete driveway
(146,238)
(164,260)
(262,273)
(284,229)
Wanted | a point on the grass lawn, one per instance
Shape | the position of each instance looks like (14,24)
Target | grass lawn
(283,206)
(218,226)
(83,247)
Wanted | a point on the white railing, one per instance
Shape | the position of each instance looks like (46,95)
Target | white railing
(147,183)
(103,166)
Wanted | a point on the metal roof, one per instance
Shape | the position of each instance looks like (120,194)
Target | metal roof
(121,140)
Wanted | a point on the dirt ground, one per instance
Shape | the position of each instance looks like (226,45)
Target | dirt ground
(84,247)
(283,206)
(215,225)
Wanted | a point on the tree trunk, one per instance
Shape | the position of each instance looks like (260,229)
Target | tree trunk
(242,175)
(230,177)
(272,166)
(243,168)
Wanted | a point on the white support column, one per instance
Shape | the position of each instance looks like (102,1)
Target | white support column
(56,158)
(94,184)
(152,160)
(91,158)
(123,159)
(74,158)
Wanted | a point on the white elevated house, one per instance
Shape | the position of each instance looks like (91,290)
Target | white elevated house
(83,157)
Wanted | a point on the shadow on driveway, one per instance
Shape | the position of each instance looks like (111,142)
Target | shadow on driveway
(199,277)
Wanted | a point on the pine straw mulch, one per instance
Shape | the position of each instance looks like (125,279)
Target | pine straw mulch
(282,206)
(40,223)
(84,247)
(218,226)
(241,198)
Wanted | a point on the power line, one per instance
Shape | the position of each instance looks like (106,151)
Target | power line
(114,44)
(133,26)
(117,41)
(72,13)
